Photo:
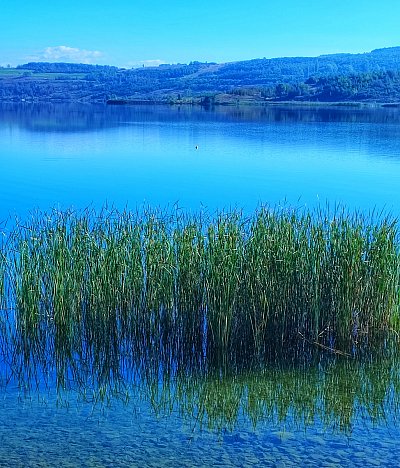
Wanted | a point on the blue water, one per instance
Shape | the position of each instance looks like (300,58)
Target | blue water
(41,434)
(159,427)
(79,155)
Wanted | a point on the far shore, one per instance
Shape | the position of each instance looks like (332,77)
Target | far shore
(217,101)
(250,102)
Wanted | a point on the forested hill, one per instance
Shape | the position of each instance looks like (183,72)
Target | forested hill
(373,76)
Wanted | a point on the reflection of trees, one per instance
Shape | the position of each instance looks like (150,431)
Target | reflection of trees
(80,117)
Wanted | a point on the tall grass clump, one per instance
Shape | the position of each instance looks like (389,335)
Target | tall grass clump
(189,245)
(159,263)
(224,256)
(217,287)
(277,279)
(361,276)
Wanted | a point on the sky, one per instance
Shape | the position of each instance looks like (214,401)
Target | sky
(130,33)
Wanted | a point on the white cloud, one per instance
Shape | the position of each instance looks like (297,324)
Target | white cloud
(67,54)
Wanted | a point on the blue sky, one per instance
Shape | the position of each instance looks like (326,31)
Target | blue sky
(132,32)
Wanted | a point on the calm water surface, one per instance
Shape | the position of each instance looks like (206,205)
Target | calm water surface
(128,156)
(59,408)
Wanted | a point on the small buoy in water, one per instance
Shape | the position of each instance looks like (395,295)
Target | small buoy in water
(196,147)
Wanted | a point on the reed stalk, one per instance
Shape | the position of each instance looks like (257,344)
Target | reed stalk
(223,287)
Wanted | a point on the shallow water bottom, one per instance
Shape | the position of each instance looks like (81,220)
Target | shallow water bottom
(38,433)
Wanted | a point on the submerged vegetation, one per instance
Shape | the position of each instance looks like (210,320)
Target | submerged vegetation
(282,317)
(332,392)
(212,289)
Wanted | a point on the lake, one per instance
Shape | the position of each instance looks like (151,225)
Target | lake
(99,396)
(79,156)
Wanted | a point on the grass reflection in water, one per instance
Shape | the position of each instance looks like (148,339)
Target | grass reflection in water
(222,320)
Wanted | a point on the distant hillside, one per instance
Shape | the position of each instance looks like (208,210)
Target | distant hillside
(372,76)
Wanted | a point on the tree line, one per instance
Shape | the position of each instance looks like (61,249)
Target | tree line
(369,76)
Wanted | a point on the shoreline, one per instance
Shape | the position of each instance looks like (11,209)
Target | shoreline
(218,103)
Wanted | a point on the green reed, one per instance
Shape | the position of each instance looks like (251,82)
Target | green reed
(222,282)
(189,245)
(223,287)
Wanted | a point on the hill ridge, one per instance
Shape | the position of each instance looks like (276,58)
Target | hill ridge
(369,76)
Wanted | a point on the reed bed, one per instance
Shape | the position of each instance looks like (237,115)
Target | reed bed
(201,286)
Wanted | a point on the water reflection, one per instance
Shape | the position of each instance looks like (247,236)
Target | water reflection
(65,154)
(82,155)
(75,117)
(333,391)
